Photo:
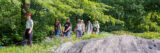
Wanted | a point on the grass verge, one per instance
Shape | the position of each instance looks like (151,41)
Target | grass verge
(45,46)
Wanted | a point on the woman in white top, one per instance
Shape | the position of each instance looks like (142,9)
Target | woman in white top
(79,29)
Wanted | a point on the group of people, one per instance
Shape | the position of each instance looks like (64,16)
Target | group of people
(67,28)
(80,28)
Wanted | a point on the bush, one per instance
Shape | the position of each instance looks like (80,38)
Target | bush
(148,35)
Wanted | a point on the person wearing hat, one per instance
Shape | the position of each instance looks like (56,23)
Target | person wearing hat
(28,31)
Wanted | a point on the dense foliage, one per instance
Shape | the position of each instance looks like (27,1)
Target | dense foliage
(10,22)
(138,15)
(44,12)
(146,35)
(130,15)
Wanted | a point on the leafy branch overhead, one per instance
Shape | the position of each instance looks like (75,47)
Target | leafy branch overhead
(64,8)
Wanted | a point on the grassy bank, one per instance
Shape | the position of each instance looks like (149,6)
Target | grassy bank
(45,46)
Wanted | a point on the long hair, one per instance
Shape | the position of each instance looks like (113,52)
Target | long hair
(56,20)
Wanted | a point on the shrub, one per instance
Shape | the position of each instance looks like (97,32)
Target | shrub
(121,32)
(148,35)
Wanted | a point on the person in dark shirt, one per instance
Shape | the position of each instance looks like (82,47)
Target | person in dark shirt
(67,28)
(57,27)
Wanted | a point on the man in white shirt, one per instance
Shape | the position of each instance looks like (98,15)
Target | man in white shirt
(28,31)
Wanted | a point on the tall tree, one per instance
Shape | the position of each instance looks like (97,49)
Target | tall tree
(25,7)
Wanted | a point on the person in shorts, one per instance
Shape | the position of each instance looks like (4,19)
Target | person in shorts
(95,28)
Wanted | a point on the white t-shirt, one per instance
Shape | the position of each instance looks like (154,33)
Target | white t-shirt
(29,23)
(79,26)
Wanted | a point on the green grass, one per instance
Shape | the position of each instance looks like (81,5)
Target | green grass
(49,44)
(121,32)
(45,46)
(146,35)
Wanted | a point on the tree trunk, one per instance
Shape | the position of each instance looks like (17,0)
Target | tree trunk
(24,10)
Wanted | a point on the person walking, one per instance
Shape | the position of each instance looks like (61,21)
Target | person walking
(28,31)
(95,28)
(79,29)
(67,28)
(57,27)
(89,28)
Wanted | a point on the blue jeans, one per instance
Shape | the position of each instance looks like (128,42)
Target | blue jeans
(67,34)
(79,33)
(57,32)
